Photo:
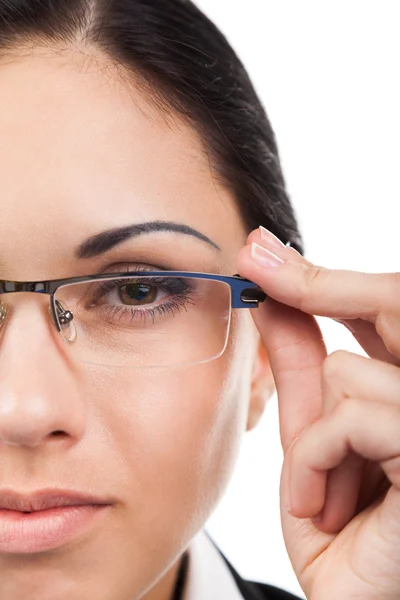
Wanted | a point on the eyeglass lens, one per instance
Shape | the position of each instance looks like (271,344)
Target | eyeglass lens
(145,321)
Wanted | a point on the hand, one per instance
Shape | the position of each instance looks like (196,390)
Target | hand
(339,419)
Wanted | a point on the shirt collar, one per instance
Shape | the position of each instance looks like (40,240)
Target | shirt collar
(208,576)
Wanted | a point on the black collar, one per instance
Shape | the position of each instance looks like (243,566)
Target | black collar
(181,577)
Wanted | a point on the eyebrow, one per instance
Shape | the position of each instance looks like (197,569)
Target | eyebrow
(102,242)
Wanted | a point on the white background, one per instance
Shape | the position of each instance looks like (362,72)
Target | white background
(327,73)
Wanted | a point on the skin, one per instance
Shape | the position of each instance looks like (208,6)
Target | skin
(339,421)
(76,145)
(82,151)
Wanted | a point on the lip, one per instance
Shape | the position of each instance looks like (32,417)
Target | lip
(46,519)
(46,498)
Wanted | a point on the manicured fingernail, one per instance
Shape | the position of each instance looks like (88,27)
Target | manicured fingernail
(270,239)
(264,257)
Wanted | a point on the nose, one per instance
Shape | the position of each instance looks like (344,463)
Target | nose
(39,393)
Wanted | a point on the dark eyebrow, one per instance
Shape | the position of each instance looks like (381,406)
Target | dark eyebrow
(104,241)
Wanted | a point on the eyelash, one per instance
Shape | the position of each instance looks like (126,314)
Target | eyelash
(170,284)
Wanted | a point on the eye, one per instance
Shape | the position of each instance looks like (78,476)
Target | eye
(137,299)
(132,293)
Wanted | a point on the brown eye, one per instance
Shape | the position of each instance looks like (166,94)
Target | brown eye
(135,293)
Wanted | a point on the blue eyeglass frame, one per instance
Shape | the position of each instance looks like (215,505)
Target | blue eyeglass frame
(245,293)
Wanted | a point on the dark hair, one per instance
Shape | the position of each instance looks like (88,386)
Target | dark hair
(187,65)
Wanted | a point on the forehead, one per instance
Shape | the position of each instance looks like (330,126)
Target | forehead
(81,152)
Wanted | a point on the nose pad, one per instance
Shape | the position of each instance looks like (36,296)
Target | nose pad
(65,320)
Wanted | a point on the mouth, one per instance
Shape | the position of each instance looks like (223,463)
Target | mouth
(46,519)
(44,530)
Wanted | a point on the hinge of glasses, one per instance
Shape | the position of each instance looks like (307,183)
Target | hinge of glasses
(250,296)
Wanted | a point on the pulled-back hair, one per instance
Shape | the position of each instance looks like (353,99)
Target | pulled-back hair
(186,64)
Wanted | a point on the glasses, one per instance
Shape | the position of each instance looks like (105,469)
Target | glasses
(143,318)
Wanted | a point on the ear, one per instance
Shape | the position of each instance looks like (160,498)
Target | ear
(262,386)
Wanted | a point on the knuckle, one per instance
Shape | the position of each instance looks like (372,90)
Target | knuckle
(382,325)
(349,410)
(312,275)
(387,326)
(333,366)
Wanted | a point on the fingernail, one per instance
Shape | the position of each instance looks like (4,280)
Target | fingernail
(270,239)
(264,257)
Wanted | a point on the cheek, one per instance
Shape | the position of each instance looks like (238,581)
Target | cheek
(173,435)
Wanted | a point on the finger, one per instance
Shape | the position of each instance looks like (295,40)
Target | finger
(270,241)
(320,291)
(347,374)
(367,428)
(344,375)
(363,331)
(366,335)
(296,351)
(388,326)
(374,482)
(343,484)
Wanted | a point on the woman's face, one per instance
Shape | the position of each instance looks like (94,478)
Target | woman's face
(81,153)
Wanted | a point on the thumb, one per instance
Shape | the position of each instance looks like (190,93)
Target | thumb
(296,351)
